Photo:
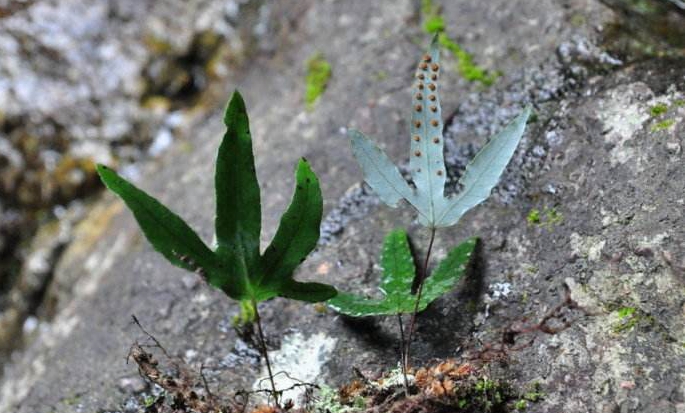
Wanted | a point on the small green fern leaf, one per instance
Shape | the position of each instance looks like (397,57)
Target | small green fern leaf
(398,273)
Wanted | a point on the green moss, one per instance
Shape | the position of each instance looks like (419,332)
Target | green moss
(149,401)
(533,217)
(548,217)
(532,269)
(644,7)
(71,401)
(664,124)
(629,318)
(625,312)
(318,74)
(658,109)
(578,20)
(553,216)
(381,75)
(157,45)
(434,23)
(679,103)
(466,67)
(534,396)
(428,8)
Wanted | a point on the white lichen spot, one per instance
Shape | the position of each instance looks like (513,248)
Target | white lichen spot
(500,290)
(588,247)
(623,117)
(654,241)
(302,358)
(580,295)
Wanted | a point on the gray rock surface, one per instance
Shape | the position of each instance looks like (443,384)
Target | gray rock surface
(81,83)
(602,266)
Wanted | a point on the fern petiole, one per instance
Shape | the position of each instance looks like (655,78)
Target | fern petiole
(265,352)
(403,364)
(419,291)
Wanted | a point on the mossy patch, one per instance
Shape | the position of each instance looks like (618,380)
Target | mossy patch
(533,217)
(664,124)
(629,318)
(466,67)
(318,74)
(548,217)
(658,109)
(434,23)
(532,396)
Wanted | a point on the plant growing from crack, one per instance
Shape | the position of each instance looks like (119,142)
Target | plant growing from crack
(399,274)
(428,174)
(236,265)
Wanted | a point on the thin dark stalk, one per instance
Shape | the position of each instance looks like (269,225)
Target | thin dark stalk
(412,323)
(265,353)
(402,359)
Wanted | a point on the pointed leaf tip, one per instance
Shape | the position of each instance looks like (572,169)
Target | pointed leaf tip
(297,235)
(483,172)
(235,107)
(448,272)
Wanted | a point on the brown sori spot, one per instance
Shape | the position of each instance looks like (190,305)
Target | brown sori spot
(434,77)
(435,122)
(420,86)
(417,123)
(439,172)
(426,58)
(421,76)
(431,86)
(432,98)
(434,108)
(417,138)
(423,66)
(417,153)
(419,96)
(435,67)
(436,140)
(418,108)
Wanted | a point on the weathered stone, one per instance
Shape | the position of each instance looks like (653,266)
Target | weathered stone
(603,268)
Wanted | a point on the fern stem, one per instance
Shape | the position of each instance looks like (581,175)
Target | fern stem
(262,344)
(402,359)
(412,323)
